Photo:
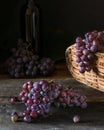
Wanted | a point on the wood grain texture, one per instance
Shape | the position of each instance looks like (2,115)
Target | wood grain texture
(91,119)
(11,87)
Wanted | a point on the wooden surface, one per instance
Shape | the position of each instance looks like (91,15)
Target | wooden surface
(11,87)
(91,118)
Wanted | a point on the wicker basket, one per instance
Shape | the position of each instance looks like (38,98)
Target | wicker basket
(92,78)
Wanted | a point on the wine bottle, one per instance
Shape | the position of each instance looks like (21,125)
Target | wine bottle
(32,26)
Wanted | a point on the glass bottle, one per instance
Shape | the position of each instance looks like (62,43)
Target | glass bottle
(32,26)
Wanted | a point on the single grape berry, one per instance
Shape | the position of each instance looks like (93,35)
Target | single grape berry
(14,117)
(27,119)
(76,118)
(14,99)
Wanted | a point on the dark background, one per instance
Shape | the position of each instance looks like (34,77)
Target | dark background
(61,21)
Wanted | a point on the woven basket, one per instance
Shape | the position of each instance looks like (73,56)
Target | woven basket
(92,78)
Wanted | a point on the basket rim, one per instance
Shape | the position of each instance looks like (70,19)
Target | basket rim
(70,68)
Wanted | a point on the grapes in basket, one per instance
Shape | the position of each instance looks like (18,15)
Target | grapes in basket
(87,48)
(39,97)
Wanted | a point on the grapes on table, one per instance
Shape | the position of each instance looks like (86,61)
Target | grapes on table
(14,117)
(14,99)
(46,66)
(76,118)
(87,48)
(24,62)
(40,96)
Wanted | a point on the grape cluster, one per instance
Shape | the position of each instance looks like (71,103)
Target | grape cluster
(38,98)
(46,66)
(23,62)
(69,97)
(87,48)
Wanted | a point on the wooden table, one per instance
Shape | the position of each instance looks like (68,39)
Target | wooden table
(91,118)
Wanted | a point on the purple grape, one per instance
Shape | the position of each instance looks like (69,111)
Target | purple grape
(76,118)
(17,75)
(100,34)
(93,48)
(28,73)
(14,99)
(82,69)
(34,73)
(25,59)
(85,52)
(78,44)
(33,114)
(82,48)
(87,35)
(78,40)
(95,34)
(14,116)
(37,86)
(78,53)
(84,105)
(86,63)
(88,68)
(81,64)
(83,57)
(92,36)
(90,56)
(46,66)
(14,113)
(88,46)
(27,119)
(78,60)
(96,42)
(19,60)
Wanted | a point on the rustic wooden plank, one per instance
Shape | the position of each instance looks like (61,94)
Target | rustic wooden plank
(91,119)
(12,87)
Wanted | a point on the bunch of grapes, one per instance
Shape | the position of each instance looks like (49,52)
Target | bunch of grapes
(87,48)
(69,97)
(23,62)
(38,98)
(46,66)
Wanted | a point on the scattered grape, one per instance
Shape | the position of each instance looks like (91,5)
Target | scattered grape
(14,99)
(27,119)
(76,118)
(14,117)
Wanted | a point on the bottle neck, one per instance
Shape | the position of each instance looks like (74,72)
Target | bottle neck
(31,4)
